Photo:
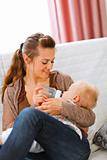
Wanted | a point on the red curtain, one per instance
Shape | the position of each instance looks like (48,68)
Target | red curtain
(73,20)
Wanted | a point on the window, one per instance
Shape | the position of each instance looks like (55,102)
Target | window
(19,19)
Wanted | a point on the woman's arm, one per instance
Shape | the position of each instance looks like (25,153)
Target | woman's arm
(9,111)
(82,116)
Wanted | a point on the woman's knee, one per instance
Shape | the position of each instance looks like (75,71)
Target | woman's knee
(31,113)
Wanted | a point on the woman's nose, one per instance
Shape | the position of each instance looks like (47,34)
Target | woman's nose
(49,65)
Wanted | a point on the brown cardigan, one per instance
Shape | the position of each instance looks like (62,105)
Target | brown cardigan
(15,100)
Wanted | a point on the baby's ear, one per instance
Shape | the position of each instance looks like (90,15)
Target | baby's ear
(76,99)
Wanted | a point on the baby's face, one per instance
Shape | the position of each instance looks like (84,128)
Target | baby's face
(67,95)
(72,91)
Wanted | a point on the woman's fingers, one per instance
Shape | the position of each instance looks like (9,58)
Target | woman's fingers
(53,101)
(44,109)
(52,110)
(38,99)
(50,99)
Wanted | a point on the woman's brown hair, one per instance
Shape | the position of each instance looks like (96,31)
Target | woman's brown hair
(29,47)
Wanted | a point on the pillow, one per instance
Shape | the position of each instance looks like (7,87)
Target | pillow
(100,137)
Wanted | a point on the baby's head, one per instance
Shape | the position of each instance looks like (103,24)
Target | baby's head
(83,94)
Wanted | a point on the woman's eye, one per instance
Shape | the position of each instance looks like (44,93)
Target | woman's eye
(44,62)
(52,61)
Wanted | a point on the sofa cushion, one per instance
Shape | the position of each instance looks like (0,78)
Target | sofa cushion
(99,155)
(87,60)
(5,60)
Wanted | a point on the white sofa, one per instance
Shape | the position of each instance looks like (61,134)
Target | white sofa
(83,60)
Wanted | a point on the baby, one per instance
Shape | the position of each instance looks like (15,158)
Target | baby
(81,93)
(84,95)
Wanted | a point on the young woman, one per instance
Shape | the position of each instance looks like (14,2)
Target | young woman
(31,69)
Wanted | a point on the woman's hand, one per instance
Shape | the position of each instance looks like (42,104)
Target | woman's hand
(39,96)
(52,106)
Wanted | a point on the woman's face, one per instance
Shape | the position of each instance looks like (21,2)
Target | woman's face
(41,65)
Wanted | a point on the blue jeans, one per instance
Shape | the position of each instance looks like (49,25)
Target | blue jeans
(59,141)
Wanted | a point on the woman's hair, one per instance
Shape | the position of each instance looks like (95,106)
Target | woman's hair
(30,48)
